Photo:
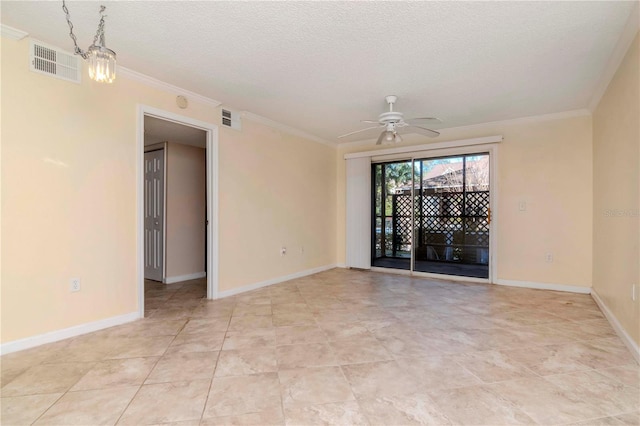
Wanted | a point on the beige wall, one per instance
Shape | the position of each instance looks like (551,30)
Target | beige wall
(186,209)
(548,165)
(69,198)
(277,191)
(616,207)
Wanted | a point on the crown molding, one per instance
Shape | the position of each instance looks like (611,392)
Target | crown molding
(492,124)
(626,38)
(524,120)
(157,84)
(12,33)
(287,129)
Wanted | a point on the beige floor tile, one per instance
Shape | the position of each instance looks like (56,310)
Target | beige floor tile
(259,297)
(359,349)
(141,347)
(46,378)
(89,407)
(379,379)
(290,308)
(270,417)
(476,405)
(240,362)
(238,395)
(147,327)
(416,409)
(405,336)
(336,315)
(437,371)
(211,309)
(407,345)
(554,359)
(250,339)
(606,352)
(200,342)
(545,402)
(181,367)
(172,313)
(602,421)
(340,330)
(628,375)
(87,348)
(584,331)
(206,325)
(296,335)
(493,366)
(295,318)
(311,386)
(336,413)
(180,423)
(24,410)
(242,309)
(606,394)
(167,402)
(116,373)
(308,355)
(632,418)
(250,322)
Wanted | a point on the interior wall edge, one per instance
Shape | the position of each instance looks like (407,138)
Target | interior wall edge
(617,327)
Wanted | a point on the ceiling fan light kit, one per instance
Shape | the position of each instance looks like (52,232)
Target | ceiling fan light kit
(392,122)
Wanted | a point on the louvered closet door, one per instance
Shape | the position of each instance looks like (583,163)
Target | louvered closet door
(154,215)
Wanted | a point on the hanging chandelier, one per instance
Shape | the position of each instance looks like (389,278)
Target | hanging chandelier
(102,61)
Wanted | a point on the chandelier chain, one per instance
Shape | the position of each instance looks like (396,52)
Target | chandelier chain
(99,37)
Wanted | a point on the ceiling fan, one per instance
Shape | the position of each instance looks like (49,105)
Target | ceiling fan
(392,122)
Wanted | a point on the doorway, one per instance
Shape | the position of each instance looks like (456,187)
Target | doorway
(169,122)
(433,215)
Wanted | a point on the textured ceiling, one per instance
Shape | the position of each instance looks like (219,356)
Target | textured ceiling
(323,66)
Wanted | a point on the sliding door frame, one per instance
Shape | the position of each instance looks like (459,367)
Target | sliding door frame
(425,154)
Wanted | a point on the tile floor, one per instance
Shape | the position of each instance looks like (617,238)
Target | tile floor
(339,347)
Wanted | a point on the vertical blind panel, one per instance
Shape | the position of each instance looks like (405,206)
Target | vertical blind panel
(359,213)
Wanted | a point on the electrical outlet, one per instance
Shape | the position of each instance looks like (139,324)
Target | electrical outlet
(75,284)
(283,251)
(548,257)
(522,206)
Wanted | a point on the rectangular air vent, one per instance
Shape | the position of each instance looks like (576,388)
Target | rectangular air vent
(231,119)
(54,62)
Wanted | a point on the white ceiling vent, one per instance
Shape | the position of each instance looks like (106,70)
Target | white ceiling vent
(54,62)
(231,119)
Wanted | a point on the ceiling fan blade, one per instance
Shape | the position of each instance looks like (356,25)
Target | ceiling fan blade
(379,141)
(370,121)
(358,131)
(424,118)
(424,131)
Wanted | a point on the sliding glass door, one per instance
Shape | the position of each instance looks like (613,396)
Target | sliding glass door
(392,219)
(432,215)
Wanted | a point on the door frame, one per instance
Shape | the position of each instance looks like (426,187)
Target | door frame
(492,149)
(212,158)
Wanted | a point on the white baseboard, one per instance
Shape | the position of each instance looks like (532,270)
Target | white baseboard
(65,333)
(544,286)
(180,278)
(341,265)
(617,327)
(255,286)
